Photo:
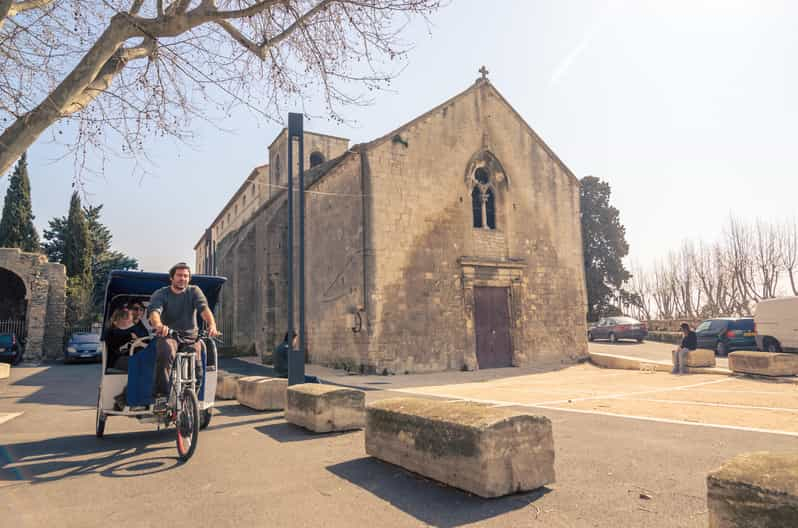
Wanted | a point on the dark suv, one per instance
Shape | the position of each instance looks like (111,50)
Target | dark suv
(727,334)
(10,351)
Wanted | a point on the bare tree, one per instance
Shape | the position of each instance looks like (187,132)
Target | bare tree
(124,70)
(788,246)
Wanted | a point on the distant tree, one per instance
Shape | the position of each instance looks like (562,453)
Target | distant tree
(77,242)
(16,225)
(103,258)
(604,245)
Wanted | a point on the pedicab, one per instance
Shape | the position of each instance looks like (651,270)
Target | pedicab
(129,393)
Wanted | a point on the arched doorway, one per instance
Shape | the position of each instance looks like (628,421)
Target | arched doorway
(13,303)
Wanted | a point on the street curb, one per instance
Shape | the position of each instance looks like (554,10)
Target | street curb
(613,361)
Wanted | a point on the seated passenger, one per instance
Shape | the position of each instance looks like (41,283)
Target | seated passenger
(136,311)
(123,330)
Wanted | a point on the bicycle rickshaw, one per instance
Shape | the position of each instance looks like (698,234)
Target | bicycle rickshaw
(191,400)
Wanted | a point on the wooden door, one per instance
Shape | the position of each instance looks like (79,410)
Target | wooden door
(492,323)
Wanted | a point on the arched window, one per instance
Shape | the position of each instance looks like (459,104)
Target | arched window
(316,158)
(483,200)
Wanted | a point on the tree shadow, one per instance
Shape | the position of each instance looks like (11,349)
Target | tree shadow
(430,502)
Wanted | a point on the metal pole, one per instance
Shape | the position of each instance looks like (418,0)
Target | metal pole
(296,359)
(290,249)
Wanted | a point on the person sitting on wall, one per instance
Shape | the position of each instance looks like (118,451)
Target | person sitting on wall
(689,342)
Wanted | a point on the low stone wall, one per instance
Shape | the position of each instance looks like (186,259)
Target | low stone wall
(701,358)
(665,337)
(763,363)
(262,393)
(481,449)
(754,490)
(325,408)
(612,361)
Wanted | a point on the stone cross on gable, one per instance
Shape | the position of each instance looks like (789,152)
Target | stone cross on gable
(484,71)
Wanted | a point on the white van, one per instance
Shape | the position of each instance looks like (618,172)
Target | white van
(776,323)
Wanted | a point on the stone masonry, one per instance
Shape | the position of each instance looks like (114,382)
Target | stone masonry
(45,296)
(393,257)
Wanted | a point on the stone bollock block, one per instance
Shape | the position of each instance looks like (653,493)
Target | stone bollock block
(754,490)
(484,450)
(262,393)
(227,386)
(764,363)
(325,408)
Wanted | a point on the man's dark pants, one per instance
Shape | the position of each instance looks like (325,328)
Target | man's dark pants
(166,349)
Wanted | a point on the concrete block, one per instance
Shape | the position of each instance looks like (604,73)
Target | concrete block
(5,370)
(701,357)
(613,361)
(764,363)
(262,393)
(325,408)
(754,490)
(227,386)
(484,450)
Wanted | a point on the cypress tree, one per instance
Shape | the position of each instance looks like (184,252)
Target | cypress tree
(77,243)
(16,225)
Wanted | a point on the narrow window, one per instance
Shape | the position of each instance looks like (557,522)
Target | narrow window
(316,158)
(490,209)
(476,205)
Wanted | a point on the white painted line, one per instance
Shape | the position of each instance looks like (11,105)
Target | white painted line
(4,417)
(625,394)
(668,421)
(710,404)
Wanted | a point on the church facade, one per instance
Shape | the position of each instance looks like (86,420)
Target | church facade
(450,243)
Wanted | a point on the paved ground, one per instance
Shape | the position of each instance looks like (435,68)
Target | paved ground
(254,469)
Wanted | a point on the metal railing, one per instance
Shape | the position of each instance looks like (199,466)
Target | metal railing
(17,326)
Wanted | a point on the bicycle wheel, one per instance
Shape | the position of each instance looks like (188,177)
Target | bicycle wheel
(187,425)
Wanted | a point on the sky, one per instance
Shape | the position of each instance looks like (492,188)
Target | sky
(682,106)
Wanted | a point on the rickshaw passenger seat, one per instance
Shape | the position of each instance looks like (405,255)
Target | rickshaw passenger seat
(141,376)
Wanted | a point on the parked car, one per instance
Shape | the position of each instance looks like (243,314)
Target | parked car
(615,328)
(777,324)
(726,334)
(10,349)
(83,346)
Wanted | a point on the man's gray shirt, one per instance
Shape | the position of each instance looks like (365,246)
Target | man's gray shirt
(178,310)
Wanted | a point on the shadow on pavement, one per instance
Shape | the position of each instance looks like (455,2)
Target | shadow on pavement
(428,501)
(57,383)
(71,456)
(287,432)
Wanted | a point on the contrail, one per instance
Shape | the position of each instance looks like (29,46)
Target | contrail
(571,57)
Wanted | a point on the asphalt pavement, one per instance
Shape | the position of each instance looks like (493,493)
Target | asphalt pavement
(254,469)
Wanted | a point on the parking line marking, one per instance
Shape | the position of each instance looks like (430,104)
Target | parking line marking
(500,403)
(4,417)
(711,404)
(669,421)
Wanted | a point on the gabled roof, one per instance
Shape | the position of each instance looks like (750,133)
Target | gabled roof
(479,84)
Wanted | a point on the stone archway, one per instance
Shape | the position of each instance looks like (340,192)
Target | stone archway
(35,291)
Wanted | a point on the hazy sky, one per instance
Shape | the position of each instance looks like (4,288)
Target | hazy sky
(682,106)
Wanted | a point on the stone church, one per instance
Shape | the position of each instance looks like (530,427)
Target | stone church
(452,242)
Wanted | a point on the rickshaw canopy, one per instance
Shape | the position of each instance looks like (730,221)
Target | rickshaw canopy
(143,284)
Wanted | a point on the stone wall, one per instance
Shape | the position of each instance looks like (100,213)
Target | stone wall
(406,283)
(45,285)
(423,227)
